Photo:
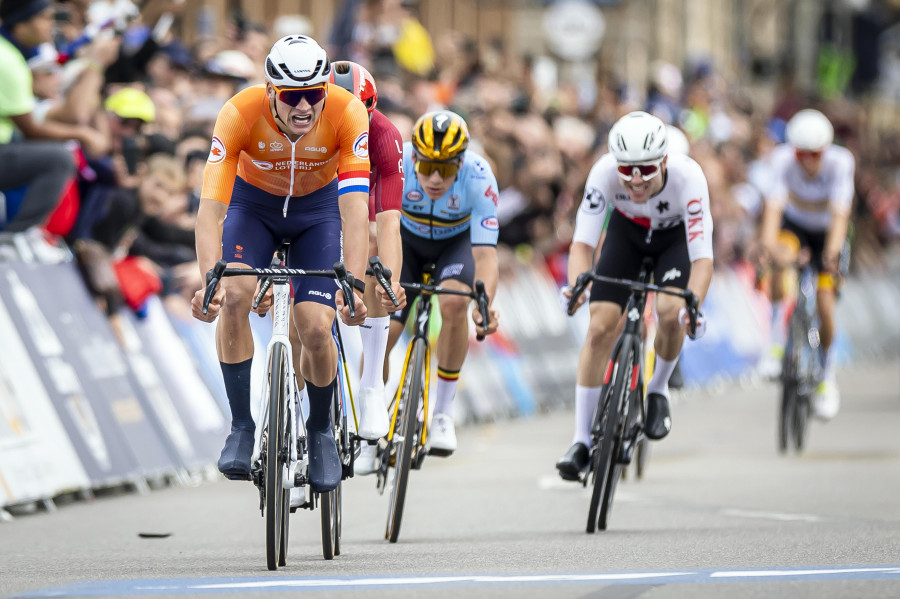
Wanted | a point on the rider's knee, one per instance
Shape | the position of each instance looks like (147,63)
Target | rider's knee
(454,307)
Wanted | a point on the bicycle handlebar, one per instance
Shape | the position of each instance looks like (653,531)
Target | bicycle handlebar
(339,272)
(690,299)
(266,284)
(480,295)
(382,274)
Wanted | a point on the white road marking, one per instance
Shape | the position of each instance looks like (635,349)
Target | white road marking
(760,573)
(780,516)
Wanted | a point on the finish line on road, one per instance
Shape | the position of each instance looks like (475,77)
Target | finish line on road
(178,586)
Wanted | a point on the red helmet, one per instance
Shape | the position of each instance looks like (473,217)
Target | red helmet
(357,80)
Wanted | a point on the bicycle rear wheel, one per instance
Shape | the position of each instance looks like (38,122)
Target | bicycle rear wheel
(276,457)
(615,427)
(408,420)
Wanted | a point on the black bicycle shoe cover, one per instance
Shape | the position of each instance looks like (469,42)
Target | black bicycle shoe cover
(234,462)
(324,462)
(659,420)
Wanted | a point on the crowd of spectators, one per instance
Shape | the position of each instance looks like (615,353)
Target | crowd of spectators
(142,104)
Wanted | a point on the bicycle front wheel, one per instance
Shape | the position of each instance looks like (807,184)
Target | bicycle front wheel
(789,399)
(614,431)
(406,441)
(276,459)
(329,529)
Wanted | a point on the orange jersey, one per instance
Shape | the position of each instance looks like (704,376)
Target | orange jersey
(247,143)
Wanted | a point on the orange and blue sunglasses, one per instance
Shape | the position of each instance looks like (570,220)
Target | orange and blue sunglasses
(445,169)
(293,95)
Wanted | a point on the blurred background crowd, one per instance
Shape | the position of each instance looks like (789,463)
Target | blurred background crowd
(139,86)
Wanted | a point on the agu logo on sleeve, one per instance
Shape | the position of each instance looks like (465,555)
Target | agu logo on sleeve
(217,152)
(361,145)
(490,223)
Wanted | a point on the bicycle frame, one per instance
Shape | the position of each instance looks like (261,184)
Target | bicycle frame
(421,324)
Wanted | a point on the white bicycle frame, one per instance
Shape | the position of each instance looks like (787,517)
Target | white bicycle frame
(281,318)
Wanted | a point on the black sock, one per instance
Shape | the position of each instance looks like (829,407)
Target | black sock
(237,386)
(320,399)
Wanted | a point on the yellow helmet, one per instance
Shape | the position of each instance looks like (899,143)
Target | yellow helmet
(440,135)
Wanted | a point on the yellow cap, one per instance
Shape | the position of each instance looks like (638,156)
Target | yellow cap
(131,103)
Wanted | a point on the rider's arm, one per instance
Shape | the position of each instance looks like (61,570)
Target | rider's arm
(590,222)
(775,198)
(701,275)
(388,153)
(353,186)
(841,204)
(210,217)
(354,208)
(481,188)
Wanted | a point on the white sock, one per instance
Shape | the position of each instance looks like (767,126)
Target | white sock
(828,365)
(446,390)
(659,382)
(586,399)
(374,334)
(778,336)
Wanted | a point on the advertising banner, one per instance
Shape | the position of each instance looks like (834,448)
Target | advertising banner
(83,368)
(37,460)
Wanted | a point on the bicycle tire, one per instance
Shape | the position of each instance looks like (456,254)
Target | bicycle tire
(338,506)
(326,511)
(275,492)
(614,429)
(409,398)
(286,504)
(599,457)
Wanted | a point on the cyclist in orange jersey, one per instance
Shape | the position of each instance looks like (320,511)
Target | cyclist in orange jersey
(289,161)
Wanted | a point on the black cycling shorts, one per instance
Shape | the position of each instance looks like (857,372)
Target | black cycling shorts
(814,240)
(451,257)
(623,253)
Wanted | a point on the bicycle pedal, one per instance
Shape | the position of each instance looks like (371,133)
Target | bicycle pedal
(441,453)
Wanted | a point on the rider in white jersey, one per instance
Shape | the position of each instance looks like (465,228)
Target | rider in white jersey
(808,206)
(658,207)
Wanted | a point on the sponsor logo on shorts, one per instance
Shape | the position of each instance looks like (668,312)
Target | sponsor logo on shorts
(491,224)
(452,270)
(324,294)
(671,275)
(216,152)
(263,165)
(361,145)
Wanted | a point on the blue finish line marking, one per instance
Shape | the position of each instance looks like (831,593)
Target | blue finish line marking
(177,586)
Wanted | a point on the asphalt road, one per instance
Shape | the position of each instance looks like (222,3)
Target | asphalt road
(718,514)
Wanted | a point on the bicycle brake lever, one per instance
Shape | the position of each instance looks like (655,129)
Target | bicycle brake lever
(577,290)
(213,276)
(346,281)
(382,274)
(482,299)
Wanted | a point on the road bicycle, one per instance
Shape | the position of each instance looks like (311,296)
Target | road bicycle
(802,364)
(282,460)
(618,425)
(404,448)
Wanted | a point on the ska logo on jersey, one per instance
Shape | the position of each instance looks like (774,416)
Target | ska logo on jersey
(594,202)
(361,145)
(217,151)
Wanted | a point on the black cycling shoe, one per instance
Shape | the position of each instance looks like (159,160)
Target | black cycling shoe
(234,462)
(574,462)
(324,463)
(659,421)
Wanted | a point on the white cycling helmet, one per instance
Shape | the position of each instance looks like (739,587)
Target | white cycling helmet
(638,137)
(809,130)
(297,61)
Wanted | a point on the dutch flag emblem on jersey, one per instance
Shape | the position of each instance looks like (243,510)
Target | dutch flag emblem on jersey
(353,181)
